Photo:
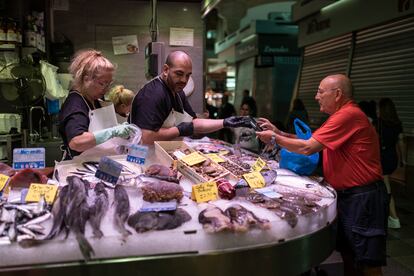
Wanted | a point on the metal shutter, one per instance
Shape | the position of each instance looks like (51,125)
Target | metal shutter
(319,60)
(383,66)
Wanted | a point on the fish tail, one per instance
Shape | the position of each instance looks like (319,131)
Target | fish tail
(97,233)
(84,246)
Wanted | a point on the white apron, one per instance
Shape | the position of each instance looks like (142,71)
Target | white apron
(121,119)
(99,119)
(175,118)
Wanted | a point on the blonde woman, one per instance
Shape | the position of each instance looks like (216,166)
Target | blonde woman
(82,116)
(122,100)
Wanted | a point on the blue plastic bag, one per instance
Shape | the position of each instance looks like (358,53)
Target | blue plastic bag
(299,163)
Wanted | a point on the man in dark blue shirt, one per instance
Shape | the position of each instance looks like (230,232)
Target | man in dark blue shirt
(161,108)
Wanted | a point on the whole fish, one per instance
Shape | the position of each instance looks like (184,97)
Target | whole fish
(71,212)
(59,212)
(98,209)
(122,209)
(91,166)
(77,214)
(38,220)
(56,175)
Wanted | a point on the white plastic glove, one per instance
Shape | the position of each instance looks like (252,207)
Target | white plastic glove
(122,131)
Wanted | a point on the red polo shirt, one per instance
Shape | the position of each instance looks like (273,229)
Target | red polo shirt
(351,156)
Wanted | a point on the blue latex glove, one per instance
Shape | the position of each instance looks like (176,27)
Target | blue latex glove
(122,131)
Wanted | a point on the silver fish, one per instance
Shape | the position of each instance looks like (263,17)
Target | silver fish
(23,237)
(37,228)
(26,231)
(5,241)
(91,166)
(38,219)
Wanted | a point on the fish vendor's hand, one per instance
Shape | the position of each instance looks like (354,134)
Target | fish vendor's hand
(265,124)
(265,136)
(122,131)
(237,121)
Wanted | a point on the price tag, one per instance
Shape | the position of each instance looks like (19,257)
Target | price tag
(137,154)
(204,192)
(268,192)
(4,179)
(36,191)
(215,157)
(109,170)
(193,158)
(258,165)
(158,206)
(223,152)
(24,158)
(254,179)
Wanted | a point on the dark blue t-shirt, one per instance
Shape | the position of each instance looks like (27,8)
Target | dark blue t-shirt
(74,118)
(153,104)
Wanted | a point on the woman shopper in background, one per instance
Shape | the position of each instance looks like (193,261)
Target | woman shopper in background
(122,100)
(389,131)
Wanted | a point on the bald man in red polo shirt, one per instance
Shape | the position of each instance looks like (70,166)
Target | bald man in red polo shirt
(351,164)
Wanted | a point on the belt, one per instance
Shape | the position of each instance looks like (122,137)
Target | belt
(361,189)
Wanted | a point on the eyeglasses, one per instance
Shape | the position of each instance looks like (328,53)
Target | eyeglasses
(104,85)
(321,91)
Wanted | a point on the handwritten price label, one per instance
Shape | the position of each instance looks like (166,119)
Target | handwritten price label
(259,165)
(204,192)
(255,180)
(215,157)
(36,191)
(3,181)
(193,158)
(223,152)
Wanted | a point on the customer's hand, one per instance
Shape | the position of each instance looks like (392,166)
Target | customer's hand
(265,124)
(265,136)
(237,121)
(186,129)
(122,131)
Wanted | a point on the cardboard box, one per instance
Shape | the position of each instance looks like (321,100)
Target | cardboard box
(163,147)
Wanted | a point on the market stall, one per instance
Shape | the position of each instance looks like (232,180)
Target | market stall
(284,229)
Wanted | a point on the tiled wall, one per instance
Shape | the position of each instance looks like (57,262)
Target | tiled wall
(92,23)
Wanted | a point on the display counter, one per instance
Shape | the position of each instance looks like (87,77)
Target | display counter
(281,249)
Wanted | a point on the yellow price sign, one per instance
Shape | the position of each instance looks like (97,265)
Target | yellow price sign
(254,179)
(193,158)
(36,191)
(4,179)
(216,158)
(204,192)
(258,165)
(223,152)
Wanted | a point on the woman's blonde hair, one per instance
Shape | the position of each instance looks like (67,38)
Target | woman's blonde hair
(88,62)
(120,95)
